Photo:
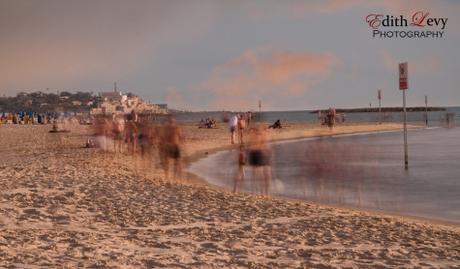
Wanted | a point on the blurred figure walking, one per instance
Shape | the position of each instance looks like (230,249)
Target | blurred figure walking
(233,124)
(259,157)
(170,145)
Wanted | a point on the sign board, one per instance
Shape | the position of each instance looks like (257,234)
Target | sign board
(403,76)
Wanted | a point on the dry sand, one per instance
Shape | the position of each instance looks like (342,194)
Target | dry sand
(66,206)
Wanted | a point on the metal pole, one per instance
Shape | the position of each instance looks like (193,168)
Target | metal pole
(426,110)
(380,110)
(406,157)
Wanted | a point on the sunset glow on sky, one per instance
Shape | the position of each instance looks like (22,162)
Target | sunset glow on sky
(217,55)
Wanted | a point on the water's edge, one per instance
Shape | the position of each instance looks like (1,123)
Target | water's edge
(202,179)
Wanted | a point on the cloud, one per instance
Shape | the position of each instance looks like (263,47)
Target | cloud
(175,99)
(66,43)
(272,76)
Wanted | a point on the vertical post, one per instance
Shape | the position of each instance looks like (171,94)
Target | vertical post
(406,156)
(426,110)
(403,77)
(380,105)
(260,105)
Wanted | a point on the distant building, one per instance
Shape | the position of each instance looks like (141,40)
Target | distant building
(111,96)
(116,102)
(163,106)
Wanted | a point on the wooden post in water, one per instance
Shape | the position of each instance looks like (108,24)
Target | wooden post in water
(379,96)
(426,110)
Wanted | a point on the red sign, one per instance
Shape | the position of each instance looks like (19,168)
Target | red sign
(403,76)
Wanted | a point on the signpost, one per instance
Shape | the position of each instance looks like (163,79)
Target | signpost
(403,86)
(379,96)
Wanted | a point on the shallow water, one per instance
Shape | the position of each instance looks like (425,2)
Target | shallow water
(360,171)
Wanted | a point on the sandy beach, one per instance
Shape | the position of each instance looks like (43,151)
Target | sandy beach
(66,206)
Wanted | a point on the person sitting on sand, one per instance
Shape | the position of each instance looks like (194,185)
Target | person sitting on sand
(276,125)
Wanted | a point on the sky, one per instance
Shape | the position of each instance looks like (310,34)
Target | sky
(215,55)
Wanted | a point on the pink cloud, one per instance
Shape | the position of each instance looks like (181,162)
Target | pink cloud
(270,76)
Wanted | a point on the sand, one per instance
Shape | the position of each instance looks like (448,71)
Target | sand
(66,206)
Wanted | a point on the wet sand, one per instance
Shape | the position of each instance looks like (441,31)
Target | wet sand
(63,205)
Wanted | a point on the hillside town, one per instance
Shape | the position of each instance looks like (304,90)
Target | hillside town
(117,102)
(40,107)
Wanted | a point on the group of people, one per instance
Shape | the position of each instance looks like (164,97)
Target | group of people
(328,118)
(237,124)
(141,137)
(207,123)
(26,118)
(255,153)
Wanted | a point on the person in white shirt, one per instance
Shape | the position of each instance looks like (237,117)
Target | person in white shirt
(233,123)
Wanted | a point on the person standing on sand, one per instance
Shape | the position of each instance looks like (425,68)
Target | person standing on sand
(331,118)
(131,136)
(240,173)
(259,158)
(233,124)
(171,146)
(241,126)
(118,132)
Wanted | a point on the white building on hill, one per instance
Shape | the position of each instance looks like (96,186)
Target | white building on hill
(116,102)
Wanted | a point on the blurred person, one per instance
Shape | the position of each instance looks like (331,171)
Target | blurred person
(276,125)
(259,157)
(241,126)
(170,146)
(131,135)
(233,124)
(118,129)
(240,172)
(331,118)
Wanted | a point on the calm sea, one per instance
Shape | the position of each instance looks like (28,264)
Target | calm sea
(360,171)
(304,116)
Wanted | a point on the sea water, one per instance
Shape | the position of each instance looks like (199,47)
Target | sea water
(360,171)
(435,118)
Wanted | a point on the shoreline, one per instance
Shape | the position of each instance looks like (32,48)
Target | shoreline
(196,179)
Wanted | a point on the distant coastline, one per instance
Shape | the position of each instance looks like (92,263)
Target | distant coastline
(384,109)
